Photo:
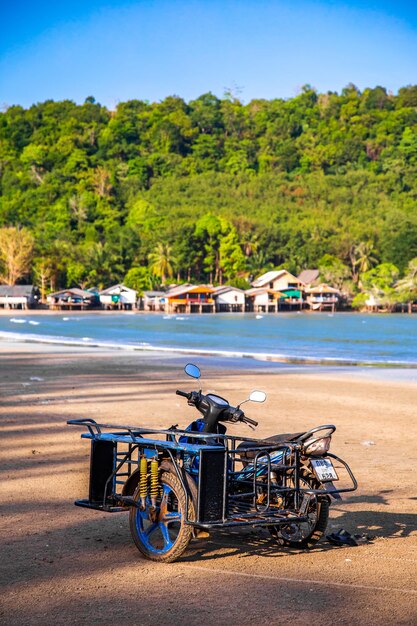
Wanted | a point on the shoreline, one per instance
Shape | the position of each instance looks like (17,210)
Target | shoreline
(215,354)
(309,343)
(155,358)
(48,311)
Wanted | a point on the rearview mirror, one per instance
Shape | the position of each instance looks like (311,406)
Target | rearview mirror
(192,370)
(257,396)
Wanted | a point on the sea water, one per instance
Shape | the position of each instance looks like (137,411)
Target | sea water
(340,338)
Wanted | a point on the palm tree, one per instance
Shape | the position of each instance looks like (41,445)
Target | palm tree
(362,258)
(162,262)
(102,263)
(258,263)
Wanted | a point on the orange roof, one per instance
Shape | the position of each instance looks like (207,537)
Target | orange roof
(177,291)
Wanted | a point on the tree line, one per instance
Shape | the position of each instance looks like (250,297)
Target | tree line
(212,190)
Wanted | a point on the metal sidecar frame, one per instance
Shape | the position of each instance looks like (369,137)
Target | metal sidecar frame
(224,489)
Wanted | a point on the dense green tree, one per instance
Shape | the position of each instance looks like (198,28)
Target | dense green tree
(140,279)
(381,282)
(333,271)
(407,286)
(231,257)
(209,231)
(232,189)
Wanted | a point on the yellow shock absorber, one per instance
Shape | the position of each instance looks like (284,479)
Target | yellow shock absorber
(143,481)
(154,491)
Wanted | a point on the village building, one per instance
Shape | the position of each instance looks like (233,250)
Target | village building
(19,296)
(190,299)
(291,299)
(153,301)
(277,280)
(118,297)
(289,289)
(372,303)
(73,299)
(262,300)
(322,297)
(229,299)
(309,277)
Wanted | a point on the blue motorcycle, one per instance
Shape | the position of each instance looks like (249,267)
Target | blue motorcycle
(180,484)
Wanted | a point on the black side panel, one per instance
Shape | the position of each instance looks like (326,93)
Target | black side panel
(211,485)
(102,464)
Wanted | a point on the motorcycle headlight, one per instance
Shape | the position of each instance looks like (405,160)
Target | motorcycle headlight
(317,447)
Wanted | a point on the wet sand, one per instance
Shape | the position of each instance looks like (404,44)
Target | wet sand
(64,565)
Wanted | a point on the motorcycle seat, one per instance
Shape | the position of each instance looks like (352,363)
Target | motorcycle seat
(247,450)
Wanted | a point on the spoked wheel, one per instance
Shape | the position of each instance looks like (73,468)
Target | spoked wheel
(161,533)
(304,534)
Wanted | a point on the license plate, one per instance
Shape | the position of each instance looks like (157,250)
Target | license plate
(324,470)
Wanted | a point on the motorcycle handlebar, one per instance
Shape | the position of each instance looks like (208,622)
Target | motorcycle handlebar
(234,414)
(184,394)
(249,421)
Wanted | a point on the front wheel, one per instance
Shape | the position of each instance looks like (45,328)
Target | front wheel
(304,534)
(160,532)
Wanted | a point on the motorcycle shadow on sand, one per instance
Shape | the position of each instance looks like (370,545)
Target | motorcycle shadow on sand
(382,521)
(370,524)
(247,543)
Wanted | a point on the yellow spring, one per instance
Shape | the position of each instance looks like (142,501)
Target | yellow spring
(154,491)
(143,480)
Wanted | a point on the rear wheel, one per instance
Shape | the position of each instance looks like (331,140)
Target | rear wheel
(304,534)
(160,532)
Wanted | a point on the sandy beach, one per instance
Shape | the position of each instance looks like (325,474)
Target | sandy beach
(64,565)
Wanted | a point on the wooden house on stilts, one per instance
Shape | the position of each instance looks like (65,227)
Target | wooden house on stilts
(190,299)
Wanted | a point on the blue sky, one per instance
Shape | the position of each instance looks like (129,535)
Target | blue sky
(120,50)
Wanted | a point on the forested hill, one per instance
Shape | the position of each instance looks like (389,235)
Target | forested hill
(212,189)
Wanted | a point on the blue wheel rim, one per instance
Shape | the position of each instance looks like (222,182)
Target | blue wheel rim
(159,536)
